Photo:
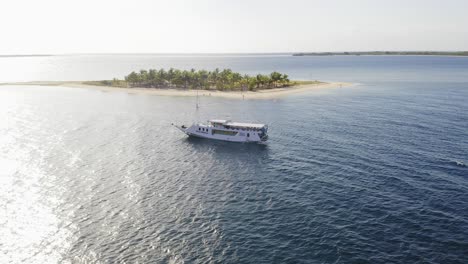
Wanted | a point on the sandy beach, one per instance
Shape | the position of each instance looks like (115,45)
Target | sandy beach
(262,94)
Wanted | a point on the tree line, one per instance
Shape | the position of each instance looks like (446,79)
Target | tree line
(210,80)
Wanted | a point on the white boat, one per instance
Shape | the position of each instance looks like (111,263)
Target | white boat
(228,131)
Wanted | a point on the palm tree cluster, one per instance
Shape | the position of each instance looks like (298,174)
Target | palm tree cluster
(210,80)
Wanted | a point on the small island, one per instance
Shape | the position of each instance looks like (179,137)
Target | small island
(218,83)
(221,80)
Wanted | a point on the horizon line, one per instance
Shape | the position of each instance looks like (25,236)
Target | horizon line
(217,53)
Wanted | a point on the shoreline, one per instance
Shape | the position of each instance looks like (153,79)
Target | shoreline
(261,94)
(385,53)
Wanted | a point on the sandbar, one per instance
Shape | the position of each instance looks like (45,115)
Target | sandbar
(261,94)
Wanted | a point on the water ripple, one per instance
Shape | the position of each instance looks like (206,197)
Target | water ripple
(345,178)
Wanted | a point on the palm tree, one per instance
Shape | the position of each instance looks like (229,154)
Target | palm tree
(285,80)
(162,78)
(275,78)
(132,78)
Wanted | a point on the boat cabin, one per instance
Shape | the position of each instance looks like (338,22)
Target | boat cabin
(227,124)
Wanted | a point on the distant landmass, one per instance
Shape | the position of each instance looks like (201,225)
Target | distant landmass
(359,53)
(345,53)
(26,55)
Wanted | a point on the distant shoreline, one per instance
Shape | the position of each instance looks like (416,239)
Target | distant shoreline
(385,53)
(343,53)
(261,94)
(25,55)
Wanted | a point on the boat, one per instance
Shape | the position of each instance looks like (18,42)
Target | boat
(227,130)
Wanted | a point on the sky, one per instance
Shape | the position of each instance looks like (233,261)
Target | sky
(234,26)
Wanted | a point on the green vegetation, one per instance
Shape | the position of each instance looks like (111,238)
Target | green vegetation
(113,83)
(306,82)
(358,53)
(224,80)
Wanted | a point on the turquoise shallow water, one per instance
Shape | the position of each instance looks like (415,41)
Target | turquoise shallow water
(374,173)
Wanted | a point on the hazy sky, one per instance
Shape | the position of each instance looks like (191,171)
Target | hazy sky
(112,26)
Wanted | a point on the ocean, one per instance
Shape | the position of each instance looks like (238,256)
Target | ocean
(372,173)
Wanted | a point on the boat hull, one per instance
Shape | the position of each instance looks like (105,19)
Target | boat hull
(229,139)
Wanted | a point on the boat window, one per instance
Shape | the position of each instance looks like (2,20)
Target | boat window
(248,134)
(222,132)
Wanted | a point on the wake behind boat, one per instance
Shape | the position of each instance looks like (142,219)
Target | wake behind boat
(227,130)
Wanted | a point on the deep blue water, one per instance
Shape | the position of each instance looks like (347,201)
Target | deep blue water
(373,173)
